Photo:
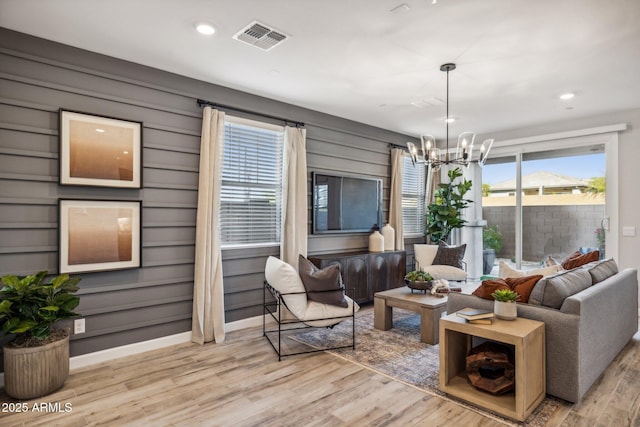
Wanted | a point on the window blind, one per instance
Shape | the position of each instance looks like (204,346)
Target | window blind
(413,194)
(251,195)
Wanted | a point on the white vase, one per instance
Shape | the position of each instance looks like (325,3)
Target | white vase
(376,242)
(505,310)
(389,235)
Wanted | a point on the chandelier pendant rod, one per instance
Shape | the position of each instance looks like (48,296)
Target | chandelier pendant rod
(446,119)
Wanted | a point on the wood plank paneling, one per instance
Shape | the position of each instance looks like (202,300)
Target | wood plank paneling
(37,77)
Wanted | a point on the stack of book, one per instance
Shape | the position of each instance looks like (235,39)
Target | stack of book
(475,315)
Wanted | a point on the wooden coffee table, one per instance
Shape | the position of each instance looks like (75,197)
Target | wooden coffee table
(429,307)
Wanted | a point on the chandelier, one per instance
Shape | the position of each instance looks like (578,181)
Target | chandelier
(433,157)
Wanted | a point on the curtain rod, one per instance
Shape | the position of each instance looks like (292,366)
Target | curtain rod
(202,102)
(402,147)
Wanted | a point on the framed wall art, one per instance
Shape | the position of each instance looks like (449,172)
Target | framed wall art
(98,235)
(100,151)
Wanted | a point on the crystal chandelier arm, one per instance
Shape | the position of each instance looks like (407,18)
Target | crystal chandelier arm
(465,146)
(413,152)
(484,151)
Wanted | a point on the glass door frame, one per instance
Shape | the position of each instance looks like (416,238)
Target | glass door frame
(516,148)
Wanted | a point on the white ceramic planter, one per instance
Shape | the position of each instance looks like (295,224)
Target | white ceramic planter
(505,310)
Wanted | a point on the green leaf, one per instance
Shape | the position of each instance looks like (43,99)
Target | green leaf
(41,331)
(50,308)
(10,280)
(23,326)
(5,306)
(10,324)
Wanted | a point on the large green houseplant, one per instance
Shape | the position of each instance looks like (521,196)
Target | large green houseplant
(29,308)
(445,213)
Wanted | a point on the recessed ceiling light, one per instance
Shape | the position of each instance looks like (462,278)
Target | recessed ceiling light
(205,28)
(100,130)
(567,96)
(449,119)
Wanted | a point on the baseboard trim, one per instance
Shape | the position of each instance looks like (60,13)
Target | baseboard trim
(84,360)
(89,359)
(155,344)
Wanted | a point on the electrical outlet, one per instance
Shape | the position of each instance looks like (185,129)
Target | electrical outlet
(78,326)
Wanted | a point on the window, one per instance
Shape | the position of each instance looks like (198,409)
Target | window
(251,197)
(413,193)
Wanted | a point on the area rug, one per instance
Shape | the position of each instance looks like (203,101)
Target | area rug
(399,354)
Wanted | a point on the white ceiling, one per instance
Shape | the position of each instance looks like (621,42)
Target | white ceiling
(359,60)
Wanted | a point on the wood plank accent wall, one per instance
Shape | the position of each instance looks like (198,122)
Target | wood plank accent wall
(37,77)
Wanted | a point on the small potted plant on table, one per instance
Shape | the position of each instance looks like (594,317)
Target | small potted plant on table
(505,306)
(418,280)
(36,362)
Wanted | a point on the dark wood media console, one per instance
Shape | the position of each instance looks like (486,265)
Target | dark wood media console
(367,272)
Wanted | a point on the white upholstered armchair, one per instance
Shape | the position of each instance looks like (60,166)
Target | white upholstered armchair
(425,255)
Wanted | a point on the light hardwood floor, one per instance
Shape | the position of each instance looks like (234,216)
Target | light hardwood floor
(241,383)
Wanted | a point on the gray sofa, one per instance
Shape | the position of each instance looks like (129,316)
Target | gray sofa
(584,335)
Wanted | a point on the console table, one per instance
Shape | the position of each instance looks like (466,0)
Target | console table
(367,272)
(527,338)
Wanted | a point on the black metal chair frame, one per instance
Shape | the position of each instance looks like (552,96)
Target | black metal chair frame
(276,309)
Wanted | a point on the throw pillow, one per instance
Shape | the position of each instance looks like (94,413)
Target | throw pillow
(551,291)
(450,255)
(286,280)
(487,287)
(521,285)
(602,270)
(577,259)
(506,271)
(323,286)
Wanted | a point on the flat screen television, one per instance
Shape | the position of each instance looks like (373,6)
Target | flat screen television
(345,204)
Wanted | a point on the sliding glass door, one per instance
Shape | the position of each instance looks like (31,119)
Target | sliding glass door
(547,200)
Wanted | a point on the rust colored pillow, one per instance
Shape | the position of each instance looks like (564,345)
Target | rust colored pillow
(522,285)
(490,286)
(577,259)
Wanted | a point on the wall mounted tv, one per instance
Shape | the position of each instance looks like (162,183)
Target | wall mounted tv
(345,204)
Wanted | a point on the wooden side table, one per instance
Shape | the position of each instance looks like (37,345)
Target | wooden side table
(528,341)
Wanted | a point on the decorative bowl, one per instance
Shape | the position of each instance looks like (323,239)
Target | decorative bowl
(419,285)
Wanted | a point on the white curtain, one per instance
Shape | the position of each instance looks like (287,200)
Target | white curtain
(395,197)
(208,296)
(294,196)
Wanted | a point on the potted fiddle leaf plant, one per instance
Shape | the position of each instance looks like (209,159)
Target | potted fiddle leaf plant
(30,308)
(504,306)
(445,213)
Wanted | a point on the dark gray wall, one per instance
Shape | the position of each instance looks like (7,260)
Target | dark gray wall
(37,77)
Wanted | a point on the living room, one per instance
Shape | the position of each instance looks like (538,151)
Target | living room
(131,307)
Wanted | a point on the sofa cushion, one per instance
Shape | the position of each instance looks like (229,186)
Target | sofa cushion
(521,285)
(505,270)
(551,291)
(285,279)
(449,255)
(322,285)
(445,272)
(577,259)
(602,270)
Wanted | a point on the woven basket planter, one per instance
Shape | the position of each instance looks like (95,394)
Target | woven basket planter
(32,372)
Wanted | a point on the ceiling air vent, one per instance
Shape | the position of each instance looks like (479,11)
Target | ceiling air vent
(261,36)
